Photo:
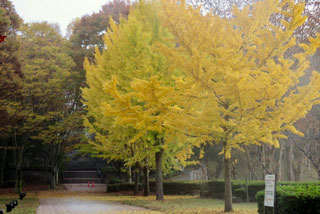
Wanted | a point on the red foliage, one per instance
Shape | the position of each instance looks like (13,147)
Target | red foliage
(2,38)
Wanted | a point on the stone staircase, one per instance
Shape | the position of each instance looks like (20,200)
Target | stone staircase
(81,176)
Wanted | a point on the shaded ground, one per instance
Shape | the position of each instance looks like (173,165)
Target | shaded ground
(28,188)
(75,205)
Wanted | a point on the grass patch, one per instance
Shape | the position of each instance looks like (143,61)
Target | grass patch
(26,206)
(191,205)
(180,204)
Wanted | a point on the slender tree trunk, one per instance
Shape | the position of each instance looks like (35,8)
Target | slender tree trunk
(219,168)
(130,175)
(3,163)
(53,178)
(57,177)
(159,177)
(247,191)
(297,166)
(52,181)
(278,177)
(18,160)
(45,177)
(146,181)
(290,175)
(263,161)
(227,185)
(136,180)
(53,167)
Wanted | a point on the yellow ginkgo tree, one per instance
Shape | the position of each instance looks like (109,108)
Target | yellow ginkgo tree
(240,73)
(131,98)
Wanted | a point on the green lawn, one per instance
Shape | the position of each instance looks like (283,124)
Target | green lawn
(26,206)
(191,205)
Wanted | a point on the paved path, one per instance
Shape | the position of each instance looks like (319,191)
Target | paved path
(76,205)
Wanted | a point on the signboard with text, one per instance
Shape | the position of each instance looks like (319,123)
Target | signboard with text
(269,193)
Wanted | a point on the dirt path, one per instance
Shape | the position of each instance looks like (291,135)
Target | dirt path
(74,205)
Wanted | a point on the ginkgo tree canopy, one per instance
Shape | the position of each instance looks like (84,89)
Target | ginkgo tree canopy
(239,72)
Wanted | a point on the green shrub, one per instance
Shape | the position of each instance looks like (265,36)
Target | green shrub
(293,199)
(239,189)
(113,180)
(105,170)
(181,187)
(11,183)
(121,187)
(215,189)
(169,187)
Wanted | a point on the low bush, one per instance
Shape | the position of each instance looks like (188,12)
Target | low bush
(169,187)
(113,180)
(11,184)
(239,189)
(182,187)
(209,189)
(121,187)
(214,188)
(293,199)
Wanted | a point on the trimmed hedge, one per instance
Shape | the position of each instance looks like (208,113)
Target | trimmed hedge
(238,189)
(209,189)
(121,187)
(169,187)
(293,199)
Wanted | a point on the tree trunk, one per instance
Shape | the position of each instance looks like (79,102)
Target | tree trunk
(263,161)
(57,177)
(219,168)
(146,181)
(159,177)
(130,175)
(227,185)
(278,177)
(3,163)
(247,191)
(290,175)
(136,180)
(53,178)
(45,177)
(18,160)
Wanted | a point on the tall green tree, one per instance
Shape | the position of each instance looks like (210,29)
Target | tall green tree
(10,78)
(46,91)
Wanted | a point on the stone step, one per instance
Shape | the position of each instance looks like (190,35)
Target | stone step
(80,174)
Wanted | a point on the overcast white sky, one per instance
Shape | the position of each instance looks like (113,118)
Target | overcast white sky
(56,11)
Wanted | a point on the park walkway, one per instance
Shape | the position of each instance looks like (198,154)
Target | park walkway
(76,202)
(82,206)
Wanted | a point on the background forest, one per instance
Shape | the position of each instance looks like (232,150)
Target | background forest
(50,88)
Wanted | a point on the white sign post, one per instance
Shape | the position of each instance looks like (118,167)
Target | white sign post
(270,191)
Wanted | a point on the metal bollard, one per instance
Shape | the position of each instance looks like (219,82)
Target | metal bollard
(22,195)
(9,207)
(15,203)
